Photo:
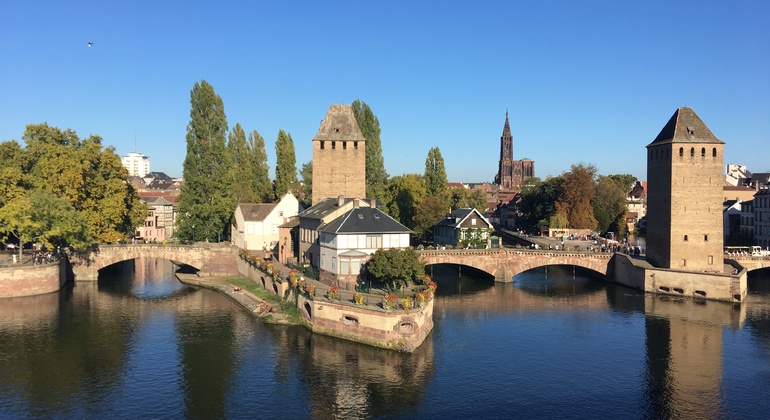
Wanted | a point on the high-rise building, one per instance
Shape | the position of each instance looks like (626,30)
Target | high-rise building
(684,200)
(339,156)
(511,173)
(137,164)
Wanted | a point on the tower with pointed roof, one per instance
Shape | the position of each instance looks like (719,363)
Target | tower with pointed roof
(510,173)
(339,156)
(684,207)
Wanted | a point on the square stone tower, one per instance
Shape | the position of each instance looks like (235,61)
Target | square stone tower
(339,156)
(684,199)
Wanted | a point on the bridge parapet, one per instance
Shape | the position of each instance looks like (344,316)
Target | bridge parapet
(209,259)
(504,263)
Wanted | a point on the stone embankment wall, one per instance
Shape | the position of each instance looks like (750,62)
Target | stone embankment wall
(396,329)
(640,275)
(29,280)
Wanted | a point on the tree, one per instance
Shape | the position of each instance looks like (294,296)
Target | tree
(205,205)
(242,167)
(465,198)
(626,181)
(307,184)
(263,187)
(90,177)
(406,192)
(609,204)
(376,176)
(430,210)
(394,267)
(577,191)
(435,175)
(286,165)
(42,217)
(537,204)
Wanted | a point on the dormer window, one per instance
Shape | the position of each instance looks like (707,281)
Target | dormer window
(690,131)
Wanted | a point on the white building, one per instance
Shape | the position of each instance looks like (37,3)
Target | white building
(137,164)
(256,224)
(762,217)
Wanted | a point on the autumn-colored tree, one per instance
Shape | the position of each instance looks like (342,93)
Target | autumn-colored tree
(577,191)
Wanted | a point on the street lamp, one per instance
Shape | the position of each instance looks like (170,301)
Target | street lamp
(193,226)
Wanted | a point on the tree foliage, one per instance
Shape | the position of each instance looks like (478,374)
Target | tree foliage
(263,186)
(577,191)
(435,175)
(538,204)
(286,165)
(610,205)
(430,210)
(466,198)
(243,167)
(307,184)
(394,267)
(205,205)
(406,192)
(376,176)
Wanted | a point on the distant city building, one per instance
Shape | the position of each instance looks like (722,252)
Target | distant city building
(684,206)
(137,164)
(339,156)
(762,217)
(511,173)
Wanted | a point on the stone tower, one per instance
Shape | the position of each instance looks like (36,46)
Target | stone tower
(504,177)
(339,156)
(684,206)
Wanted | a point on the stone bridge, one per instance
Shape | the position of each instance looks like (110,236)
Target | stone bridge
(504,263)
(208,259)
(751,263)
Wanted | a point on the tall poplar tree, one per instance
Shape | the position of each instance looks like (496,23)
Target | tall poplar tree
(205,202)
(376,176)
(435,175)
(285,166)
(263,186)
(307,184)
(242,167)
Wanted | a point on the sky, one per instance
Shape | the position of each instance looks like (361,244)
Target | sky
(589,82)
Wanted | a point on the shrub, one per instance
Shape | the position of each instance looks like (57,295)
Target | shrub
(333,293)
(407,303)
(389,301)
(420,299)
(311,290)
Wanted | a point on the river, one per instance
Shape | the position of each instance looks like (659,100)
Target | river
(554,344)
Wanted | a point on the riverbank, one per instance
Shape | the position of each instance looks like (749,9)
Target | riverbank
(262,307)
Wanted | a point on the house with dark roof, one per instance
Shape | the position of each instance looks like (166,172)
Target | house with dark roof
(255,225)
(316,216)
(347,242)
(463,227)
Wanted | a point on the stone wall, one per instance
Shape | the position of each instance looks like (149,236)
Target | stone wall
(29,280)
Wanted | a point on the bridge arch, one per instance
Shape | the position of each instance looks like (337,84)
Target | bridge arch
(208,259)
(503,263)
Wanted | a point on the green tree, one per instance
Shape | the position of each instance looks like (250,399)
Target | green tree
(394,267)
(577,191)
(376,176)
(205,205)
(626,181)
(466,198)
(430,210)
(405,192)
(263,186)
(435,175)
(307,184)
(609,204)
(242,167)
(286,165)
(537,204)
(12,180)
(42,217)
(90,177)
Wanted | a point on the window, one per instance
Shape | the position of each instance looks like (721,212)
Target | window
(711,259)
(373,241)
(355,145)
(705,238)
(681,151)
(334,145)
(344,145)
(685,238)
(703,152)
(692,151)
(714,152)
(473,221)
(322,144)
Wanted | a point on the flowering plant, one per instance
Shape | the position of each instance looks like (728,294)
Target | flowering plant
(334,293)
(431,286)
(420,299)
(358,299)
(389,301)
(311,290)
(407,303)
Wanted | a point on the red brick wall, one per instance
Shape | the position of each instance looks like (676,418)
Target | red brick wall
(28,280)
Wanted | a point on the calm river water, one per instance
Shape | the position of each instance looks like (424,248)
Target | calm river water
(550,345)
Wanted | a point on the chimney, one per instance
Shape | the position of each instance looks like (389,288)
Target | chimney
(355,203)
(373,203)
(340,201)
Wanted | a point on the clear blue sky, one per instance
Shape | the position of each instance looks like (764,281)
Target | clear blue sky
(590,81)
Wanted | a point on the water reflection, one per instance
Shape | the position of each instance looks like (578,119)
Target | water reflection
(555,345)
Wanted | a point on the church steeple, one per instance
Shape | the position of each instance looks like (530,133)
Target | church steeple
(504,176)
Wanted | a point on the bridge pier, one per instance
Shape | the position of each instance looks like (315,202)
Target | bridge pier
(503,275)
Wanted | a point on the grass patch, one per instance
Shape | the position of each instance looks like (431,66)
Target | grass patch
(286,307)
